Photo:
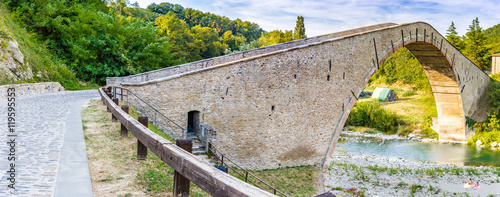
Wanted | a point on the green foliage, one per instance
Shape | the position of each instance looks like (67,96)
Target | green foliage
(409,93)
(404,67)
(453,38)
(371,114)
(191,44)
(4,44)
(487,131)
(493,91)
(426,119)
(275,37)
(42,62)
(95,43)
(492,35)
(300,30)
(475,48)
(250,31)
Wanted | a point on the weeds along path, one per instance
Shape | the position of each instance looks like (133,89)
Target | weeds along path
(44,124)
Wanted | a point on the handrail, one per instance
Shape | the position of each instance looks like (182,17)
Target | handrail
(214,150)
(168,122)
(208,178)
(209,142)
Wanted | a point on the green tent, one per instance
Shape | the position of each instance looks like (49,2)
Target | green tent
(384,94)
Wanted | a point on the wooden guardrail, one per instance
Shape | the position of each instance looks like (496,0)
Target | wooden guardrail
(208,178)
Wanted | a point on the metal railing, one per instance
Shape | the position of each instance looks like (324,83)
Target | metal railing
(157,118)
(177,132)
(228,163)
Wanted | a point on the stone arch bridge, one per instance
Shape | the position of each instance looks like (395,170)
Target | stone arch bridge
(286,104)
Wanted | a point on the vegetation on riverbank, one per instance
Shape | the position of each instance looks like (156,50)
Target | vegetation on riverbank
(412,112)
(489,131)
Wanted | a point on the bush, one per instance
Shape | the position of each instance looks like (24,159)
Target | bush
(487,131)
(409,93)
(371,114)
(494,91)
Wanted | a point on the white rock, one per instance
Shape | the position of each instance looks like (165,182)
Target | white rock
(494,144)
(478,143)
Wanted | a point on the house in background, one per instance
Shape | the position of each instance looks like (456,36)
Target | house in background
(495,63)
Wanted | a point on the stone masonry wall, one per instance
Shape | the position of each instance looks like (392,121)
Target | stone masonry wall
(288,107)
(192,66)
(26,89)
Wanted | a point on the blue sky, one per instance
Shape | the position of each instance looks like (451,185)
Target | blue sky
(327,16)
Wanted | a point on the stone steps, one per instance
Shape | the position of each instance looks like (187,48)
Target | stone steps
(199,149)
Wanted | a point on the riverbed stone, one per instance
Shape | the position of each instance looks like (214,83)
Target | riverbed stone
(478,143)
(494,144)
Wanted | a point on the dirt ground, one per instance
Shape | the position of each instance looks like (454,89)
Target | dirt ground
(112,161)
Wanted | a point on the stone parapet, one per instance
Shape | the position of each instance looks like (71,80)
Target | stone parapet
(26,89)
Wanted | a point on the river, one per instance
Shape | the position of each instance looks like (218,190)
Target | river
(440,153)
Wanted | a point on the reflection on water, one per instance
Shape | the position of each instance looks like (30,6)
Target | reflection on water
(458,154)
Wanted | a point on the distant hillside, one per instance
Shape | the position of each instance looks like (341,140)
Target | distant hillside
(492,35)
(222,24)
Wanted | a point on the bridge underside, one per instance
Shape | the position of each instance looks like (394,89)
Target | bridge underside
(451,120)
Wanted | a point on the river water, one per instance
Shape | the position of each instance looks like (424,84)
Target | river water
(440,153)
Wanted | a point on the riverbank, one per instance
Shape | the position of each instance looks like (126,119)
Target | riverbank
(372,175)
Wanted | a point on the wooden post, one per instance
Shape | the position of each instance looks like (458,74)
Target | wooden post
(113,118)
(109,95)
(124,131)
(121,94)
(142,151)
(181,184)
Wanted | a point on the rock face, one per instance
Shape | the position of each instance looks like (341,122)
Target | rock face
(12,65)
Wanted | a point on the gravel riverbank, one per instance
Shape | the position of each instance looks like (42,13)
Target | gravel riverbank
(373,175)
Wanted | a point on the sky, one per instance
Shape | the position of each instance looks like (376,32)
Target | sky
(328,16)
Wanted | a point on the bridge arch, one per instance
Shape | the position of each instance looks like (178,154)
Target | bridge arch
(287,104)
(444,83)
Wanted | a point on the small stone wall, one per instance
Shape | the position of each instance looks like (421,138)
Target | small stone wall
(31,89)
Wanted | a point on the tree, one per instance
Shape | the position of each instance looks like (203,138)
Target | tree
(300,30)
(453,38)
(475,48)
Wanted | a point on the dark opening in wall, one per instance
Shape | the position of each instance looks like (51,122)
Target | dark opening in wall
(272,108)
(343,77)
(330,65)
(328,78)
(295,76)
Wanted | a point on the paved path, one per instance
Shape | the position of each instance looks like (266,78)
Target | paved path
(51,157)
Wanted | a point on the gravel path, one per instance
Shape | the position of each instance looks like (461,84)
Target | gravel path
(40,128)
(391,176)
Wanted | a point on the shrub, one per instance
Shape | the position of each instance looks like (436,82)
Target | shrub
(494,91)
(371,114)
(487,131)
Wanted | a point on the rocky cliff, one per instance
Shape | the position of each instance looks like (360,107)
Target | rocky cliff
(12,65)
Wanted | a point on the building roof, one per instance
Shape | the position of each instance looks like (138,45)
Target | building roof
(496,55)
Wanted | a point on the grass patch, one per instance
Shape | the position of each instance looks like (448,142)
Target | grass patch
(113,161)
(293,181)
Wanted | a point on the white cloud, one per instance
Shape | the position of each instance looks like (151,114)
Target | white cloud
(327,16)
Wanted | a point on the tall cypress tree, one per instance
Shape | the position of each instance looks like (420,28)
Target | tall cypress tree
(475,47)
(453,38)
(300,30)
